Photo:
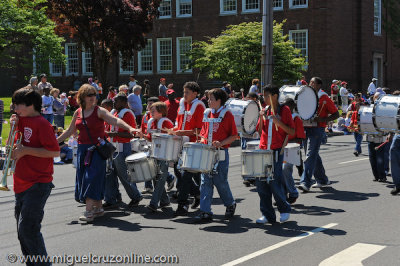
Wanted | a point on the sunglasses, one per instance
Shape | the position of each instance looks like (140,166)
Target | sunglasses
(91,95)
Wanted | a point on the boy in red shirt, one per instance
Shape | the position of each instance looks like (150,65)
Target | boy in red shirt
(189,123)
(34,169)
(172,105)
(223,134)
(353,125)
(283,125)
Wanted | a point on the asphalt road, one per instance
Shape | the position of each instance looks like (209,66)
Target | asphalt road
(354,221)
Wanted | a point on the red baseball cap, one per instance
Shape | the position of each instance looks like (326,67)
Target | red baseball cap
(170,91)
(162,79)
(344,83)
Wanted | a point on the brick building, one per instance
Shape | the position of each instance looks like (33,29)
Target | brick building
(341,39)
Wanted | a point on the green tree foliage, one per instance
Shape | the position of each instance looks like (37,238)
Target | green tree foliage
(391,23)
(105,27)
(235,55)
(25,25)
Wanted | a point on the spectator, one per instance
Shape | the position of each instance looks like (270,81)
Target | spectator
(77,83)
(111,92)
(64,101)
(1,115)
(47,105)
(135,103)
(58,108)
(34,83)
(93,82)
(123,89)
(43,84)
(162,90)
(204,99)
(254,87)
(335,90)
(132,83)
(225,87)
(172,105)
(344,95)
(147,90)
(72,100)
(372,87)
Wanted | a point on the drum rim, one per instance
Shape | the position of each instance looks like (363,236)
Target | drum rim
(261,151)
(137,155)
(190,144)
(164,135)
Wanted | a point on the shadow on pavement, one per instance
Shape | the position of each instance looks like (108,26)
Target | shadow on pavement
(333,194)
(313,210)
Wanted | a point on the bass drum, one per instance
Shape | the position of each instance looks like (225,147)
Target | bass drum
(305,98)
(365,122)
(246,115)
(386,114)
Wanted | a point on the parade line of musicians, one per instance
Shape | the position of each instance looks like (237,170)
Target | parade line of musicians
(97,180)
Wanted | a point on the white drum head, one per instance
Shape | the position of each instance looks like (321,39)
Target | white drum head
(307,103)
(250,118)
(136,157)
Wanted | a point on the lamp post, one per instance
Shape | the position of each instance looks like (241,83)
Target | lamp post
(266,59)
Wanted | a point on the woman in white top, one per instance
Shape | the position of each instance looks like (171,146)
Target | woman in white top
(47,105)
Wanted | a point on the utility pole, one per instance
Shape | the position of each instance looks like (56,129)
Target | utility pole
(266,59)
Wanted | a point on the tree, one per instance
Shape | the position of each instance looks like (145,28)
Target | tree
(106,28)
(25,25)
(235,55)
(391,23)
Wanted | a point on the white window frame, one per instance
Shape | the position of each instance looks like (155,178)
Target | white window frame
(375,68)
(300,31)
(379,32)
(126,72)
(84,63)
(223,12)
(54,74)
(170,5)
(291,6)
(158,56)
(140,71)
(244,10)
(178,55)
(279,8)
(67,73)
(178,10)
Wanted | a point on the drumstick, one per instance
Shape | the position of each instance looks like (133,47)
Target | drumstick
(380,146)
(284,144)
(273,111)
(322,107)
(168,130)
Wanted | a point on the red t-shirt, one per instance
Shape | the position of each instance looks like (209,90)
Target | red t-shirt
(145,119)
(36,133)
(221,131)
(333,91)
(324,110)
(94,124)
(279,136)
(172,109)
(192,121)
(354,119)
(130,120)
(299,129)
(165,124)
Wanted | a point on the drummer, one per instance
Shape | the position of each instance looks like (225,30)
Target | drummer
(188,123)
(158,123)
(283,125)
(223,134)
(121,140)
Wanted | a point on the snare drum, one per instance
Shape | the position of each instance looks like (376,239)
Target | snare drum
(257,163)
(253,145)
(197,157)
(166,147)
(139,145)
(365,122)
(386,114)
(291,153)
(306,100)
(140,167)
(246,115)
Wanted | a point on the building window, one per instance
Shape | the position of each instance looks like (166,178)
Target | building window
(277,4)
(55,69)
(250,6)
(298,3)
(378,68)
(300,39)
(71,51)
(87,62)
(165,9)
(377,17)
(184,45)
(228,6)
(183,8)
(129,68)
(164,55)
(145,58)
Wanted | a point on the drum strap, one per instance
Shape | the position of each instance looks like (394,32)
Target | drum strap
(211,121)
(120,116)
(269,134)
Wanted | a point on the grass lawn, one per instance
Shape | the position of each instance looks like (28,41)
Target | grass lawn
(6,127)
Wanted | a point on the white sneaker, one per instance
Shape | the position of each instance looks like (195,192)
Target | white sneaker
(284,217)
(262,220)
(319,185)
(304,188)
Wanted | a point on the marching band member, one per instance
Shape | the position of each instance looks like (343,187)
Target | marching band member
(121,140)
(222,135)
(326,112)
(189,123)
(272,138)
(157,123)
(34,170)
(287,168)
(395,160)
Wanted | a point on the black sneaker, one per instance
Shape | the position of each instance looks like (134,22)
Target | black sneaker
(356,153)
(230,211)
(395,191)
(196,202)
(151,207)
(204,217)
(163,205)
(246,183)
(135,202)
(108,206)
(382,180)
(182,210)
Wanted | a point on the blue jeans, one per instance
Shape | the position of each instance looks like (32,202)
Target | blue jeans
(49,117)
(395,159)
(220,181)
(313,162)
(188,184)
(358,138)
(29,212)
(159,194)
(274,187)
(377,160)
(288,181)
(387,157)
(111,194)
(59,120)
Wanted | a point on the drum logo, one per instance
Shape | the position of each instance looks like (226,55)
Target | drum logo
(27,134)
